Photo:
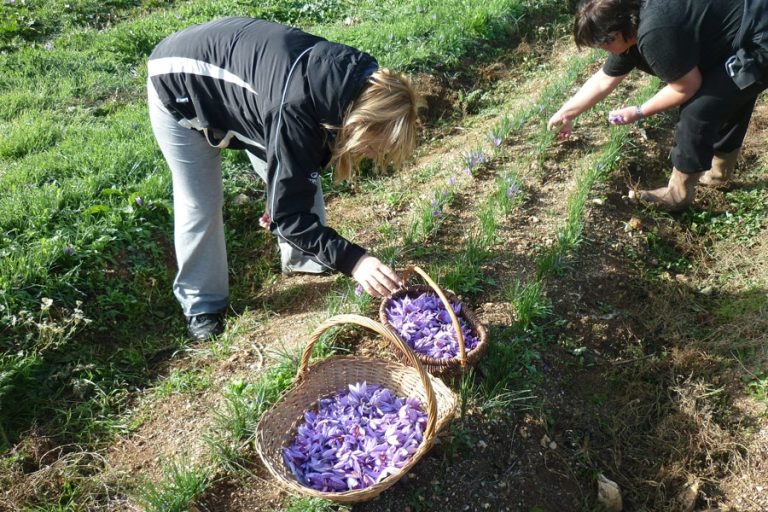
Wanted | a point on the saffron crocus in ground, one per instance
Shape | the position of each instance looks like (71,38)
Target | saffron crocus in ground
(473,159)
(424,323)
(355,438)
(513,190)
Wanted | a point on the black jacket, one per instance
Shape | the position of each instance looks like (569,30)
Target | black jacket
(255,85)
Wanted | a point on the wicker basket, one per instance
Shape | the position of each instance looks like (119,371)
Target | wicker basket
(277,427)
(444,367)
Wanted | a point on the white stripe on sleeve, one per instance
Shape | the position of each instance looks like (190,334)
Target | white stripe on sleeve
(167,65)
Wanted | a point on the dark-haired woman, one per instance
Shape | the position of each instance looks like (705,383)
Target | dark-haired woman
(713,57)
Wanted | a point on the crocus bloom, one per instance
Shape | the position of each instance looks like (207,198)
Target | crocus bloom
(616,119)
(513,190)
(355,438)
(424,323)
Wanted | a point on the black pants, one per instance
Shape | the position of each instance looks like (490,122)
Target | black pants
(715,119)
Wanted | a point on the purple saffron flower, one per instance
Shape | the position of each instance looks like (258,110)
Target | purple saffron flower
(355,438)
(139,201)
(474,158)
(616,119)
(359,290)
(452,181)
(48,46)
(425,325)
(69,251)
(513,190)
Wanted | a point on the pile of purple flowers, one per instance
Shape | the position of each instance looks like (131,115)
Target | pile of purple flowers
(355,439)
(424,323)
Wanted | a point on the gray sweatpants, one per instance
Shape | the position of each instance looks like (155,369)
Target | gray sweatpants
(202,284)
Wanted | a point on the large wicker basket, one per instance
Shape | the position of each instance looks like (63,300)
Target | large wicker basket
(277,427)
(444,367)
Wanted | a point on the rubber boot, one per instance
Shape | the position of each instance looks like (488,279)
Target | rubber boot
(723,165)
(676,196)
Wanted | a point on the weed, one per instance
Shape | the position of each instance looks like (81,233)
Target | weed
(178,489)
(464,273)
(189,381)
(313,505)
(460,440)
(529,302)
(668,257)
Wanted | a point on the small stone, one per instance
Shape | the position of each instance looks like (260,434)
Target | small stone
(634,224)
(534,219)
(707,290)
(609,494)
(598,202)
(545,440)
(482,444)
(553,445)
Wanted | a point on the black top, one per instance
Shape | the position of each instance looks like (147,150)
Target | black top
(674,36)
(255,85)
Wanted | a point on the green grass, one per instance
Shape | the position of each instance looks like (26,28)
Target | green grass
(313,505)
(180,486)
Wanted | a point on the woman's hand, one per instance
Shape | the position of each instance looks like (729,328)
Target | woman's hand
(625,115)
(375,277)
(265,220)
(563,123)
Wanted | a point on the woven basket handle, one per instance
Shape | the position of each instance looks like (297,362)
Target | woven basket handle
(446,303)
(387,333)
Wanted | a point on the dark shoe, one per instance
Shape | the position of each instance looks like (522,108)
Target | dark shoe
(205,326)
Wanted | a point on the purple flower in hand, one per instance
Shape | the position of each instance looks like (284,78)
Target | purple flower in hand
(616,119)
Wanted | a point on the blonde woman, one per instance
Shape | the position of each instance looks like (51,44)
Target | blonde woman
(296,103)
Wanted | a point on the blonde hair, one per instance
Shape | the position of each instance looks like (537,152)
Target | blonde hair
(384,118)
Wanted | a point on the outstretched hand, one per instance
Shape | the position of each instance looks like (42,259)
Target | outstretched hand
(561,122)
(375,277)
(625,115)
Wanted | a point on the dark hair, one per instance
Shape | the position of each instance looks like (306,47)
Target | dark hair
(597,20)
